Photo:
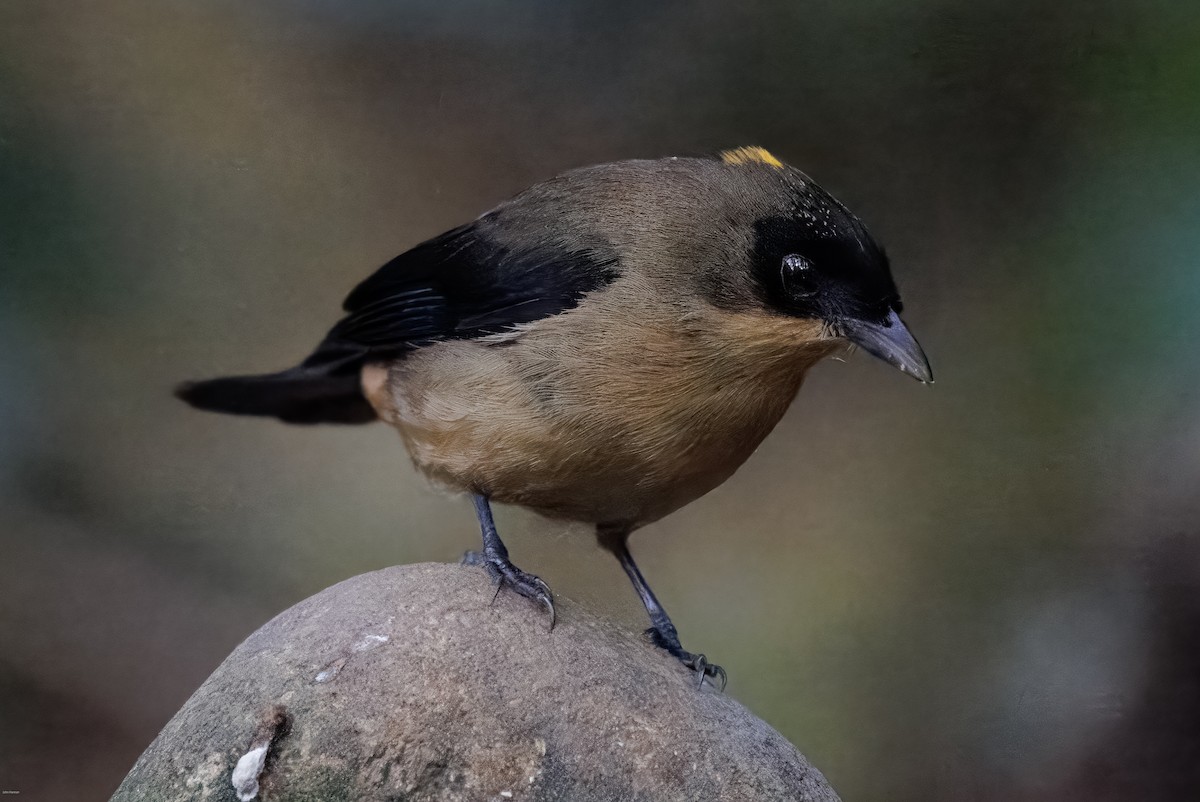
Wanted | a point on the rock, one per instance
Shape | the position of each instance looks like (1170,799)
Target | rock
(412,684)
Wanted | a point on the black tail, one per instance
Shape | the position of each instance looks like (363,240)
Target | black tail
(304,394)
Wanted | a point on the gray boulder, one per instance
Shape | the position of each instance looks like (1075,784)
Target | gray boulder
(410,683)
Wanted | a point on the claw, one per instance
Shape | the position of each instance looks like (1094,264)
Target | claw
(546,598)
(668,640)
(503,572)
(704,669)
(700,666)
(714,671)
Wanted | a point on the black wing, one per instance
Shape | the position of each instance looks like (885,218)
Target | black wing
(462,284)
(465,284)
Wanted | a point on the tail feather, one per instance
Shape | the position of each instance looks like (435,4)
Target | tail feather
(300,395)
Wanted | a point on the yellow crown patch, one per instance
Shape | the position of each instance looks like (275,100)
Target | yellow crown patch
(750,155)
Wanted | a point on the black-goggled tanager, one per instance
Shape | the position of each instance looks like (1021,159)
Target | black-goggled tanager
(605,347)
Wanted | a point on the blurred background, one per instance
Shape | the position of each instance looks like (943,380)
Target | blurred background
(984,590)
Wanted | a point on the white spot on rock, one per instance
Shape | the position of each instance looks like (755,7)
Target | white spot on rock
(245,773)
(330,671)
(368,642)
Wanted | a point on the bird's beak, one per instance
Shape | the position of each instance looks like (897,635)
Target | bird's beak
(892,342)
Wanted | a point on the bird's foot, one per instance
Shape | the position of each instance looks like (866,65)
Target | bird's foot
(504,573)
(664,636)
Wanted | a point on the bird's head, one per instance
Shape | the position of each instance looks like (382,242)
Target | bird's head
(811,258)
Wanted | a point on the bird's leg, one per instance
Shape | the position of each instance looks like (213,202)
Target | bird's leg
(662,632)
(494,558)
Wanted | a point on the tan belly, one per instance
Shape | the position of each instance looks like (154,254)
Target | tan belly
(615,430)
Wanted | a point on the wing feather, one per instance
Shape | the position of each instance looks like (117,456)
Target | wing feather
(462,285)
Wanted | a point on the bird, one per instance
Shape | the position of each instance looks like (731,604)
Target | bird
(604,347)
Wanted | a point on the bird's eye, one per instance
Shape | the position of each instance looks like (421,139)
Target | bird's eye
(799,278)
